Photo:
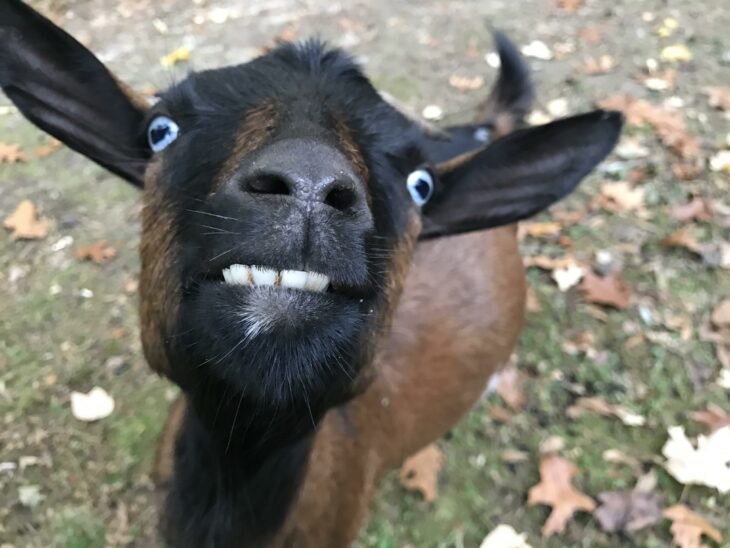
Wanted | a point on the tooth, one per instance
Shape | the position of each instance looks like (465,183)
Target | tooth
(316,281)
(294,279)
(227,276)
(240,274)
(263,276)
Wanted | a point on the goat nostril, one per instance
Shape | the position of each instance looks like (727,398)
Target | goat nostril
(266,184)
(341,198)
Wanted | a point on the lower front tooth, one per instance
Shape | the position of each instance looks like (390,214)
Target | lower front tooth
(316,281)
(263,276)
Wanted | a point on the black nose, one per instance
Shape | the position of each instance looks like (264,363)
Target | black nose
(309,171)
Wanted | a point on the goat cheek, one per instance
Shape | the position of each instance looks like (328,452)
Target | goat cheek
(159,285)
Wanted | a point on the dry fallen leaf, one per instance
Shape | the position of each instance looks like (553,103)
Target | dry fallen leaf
(664,81)
(464,83)
(668,124)
(176,56)
(616,456)
(537,50)
(100,252)
(609,290)
(683,238)
(420,472)
(708,464)
(591,34)
(555,489)
(687,170)
(695,210)
(718,96)
(568,277)
(504,536)
(538,230)
(25,224)
(10,154)
(687,527)
(598,65)
(605,409)
(509,387)
(715,417)
(721,314)
(548,263)
(623,196)
(30,496)
(44,150)
(570,5)
(94,406)
(676,53)
(628,510)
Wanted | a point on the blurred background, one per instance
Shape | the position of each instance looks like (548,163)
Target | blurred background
(628,329)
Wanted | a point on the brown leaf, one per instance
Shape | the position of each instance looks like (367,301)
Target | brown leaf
(25,224)
(570,5)
(669,125)
(687,171)
(555,489)
(538,230)
(10,153)
(591,34)
(44,150)
(500,413)
(610,290)
(420,472)
(509,388)
(628,511)
(532,302)
(687,527)
(721,314)
(605,409)
(464,83)
(696,210)
(598,65)
(683,238)
(623,196)
(548,263)
(714,417)
(594,404)
(718,96)
(100,252)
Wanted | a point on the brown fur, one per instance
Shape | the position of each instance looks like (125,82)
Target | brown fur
(430,371)
(159,293)
(256,128)
(164,464)
(350,149)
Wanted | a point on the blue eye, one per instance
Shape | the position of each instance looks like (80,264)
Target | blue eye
(161,132)
(420,185)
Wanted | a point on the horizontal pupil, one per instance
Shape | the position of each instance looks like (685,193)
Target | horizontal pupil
(159,133)
(422,187)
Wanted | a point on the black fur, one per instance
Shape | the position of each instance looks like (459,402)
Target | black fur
(257,400)
(221,498)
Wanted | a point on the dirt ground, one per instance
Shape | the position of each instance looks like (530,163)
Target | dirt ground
(69,325)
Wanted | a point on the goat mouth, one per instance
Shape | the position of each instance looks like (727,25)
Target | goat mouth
(305,281)
(245,275)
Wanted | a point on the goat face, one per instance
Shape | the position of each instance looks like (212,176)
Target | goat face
(275,226)
(282,202)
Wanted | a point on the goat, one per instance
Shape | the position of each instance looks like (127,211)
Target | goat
(330,285)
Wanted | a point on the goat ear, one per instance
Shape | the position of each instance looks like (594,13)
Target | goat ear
(62,88)
(518,175)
